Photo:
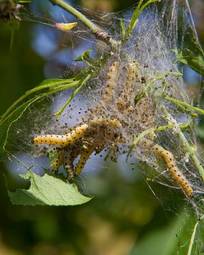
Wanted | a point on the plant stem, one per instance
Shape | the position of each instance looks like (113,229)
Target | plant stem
(190,248)
(68,83)
(99,33)
(135,17)
(189,149)
(184,105)
(74,93)
(150,131)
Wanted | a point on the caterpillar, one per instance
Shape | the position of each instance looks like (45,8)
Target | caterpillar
(176,175)
(56,157)
(68,165)
(114,123)
(76,134)
(124,101)
(111,82)
(62,140)
(82,141)
(83,159)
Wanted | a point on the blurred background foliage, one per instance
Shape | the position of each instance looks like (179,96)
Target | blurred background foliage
(126,217)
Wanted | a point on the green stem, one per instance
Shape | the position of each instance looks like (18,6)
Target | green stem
(190,248)
(101,34)
(150,84)
(189,149)
(75,92)
(184,105)
(135,17)
(53,87)
(150,131)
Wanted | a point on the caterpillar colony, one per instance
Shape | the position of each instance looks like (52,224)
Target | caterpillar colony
(126,100)
(96,134)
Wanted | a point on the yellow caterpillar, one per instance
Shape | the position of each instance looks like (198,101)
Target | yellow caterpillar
(111,82)
(82,141)
(56,159)
(62,140)
(83,158)
(76,134)
(124,102)
(175,173)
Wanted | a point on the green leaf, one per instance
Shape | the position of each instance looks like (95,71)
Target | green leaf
(191,53)
(187,57)
(135,17)
(176,238)
(46,88)
(84,56)
(47,190)
(20,106)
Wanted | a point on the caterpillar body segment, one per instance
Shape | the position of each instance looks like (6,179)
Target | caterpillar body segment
(112,123)
(126,100)
(62,140)
(176,175)
(131,76)
(56,159)
(111,83)
(69,166)
(83,159)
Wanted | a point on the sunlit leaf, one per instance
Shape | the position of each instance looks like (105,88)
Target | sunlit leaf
(84,56)
(47,190)
(65,26)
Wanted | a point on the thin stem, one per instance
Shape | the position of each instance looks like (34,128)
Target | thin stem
(189,149)
(99,33)
(184,105)
(135,17)
(55,84)
(150,84)
(74,93)
(190,248)
(150,131)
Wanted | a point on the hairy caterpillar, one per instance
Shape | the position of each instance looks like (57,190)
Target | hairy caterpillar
(175,173)
(56,157)
(76,134)
(62,140)
(83,141)
(124,101)
(83,158)
(111,82)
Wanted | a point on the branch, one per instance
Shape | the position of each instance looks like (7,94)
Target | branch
(97,31)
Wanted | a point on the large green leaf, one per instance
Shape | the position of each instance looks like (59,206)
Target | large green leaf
(191,53)
(172,239)
(47,190)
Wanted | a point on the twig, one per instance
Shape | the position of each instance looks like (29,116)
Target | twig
(99,32)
